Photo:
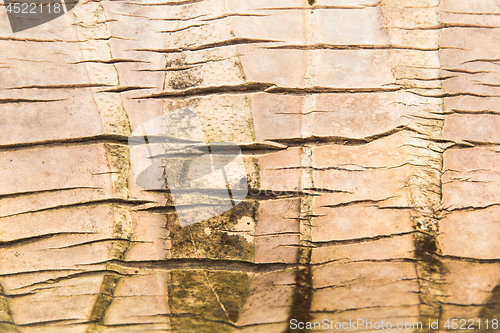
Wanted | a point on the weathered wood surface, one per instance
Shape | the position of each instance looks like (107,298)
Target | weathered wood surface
(378,118)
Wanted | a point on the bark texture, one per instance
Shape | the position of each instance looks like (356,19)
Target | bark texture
(369,130)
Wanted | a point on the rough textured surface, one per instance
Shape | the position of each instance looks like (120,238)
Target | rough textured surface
(370,139)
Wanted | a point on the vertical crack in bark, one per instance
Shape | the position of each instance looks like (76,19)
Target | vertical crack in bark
(92,27)
(302,296)
(430,271)
(425,159)
(102,304)
(303,292)
(119,162)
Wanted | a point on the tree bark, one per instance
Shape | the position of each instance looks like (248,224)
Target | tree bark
(369,135)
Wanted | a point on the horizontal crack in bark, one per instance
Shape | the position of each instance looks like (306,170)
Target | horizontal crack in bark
(324,46)
(360,240)
(228,42)
(110,201)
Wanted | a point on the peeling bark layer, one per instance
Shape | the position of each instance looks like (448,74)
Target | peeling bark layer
(368,131)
